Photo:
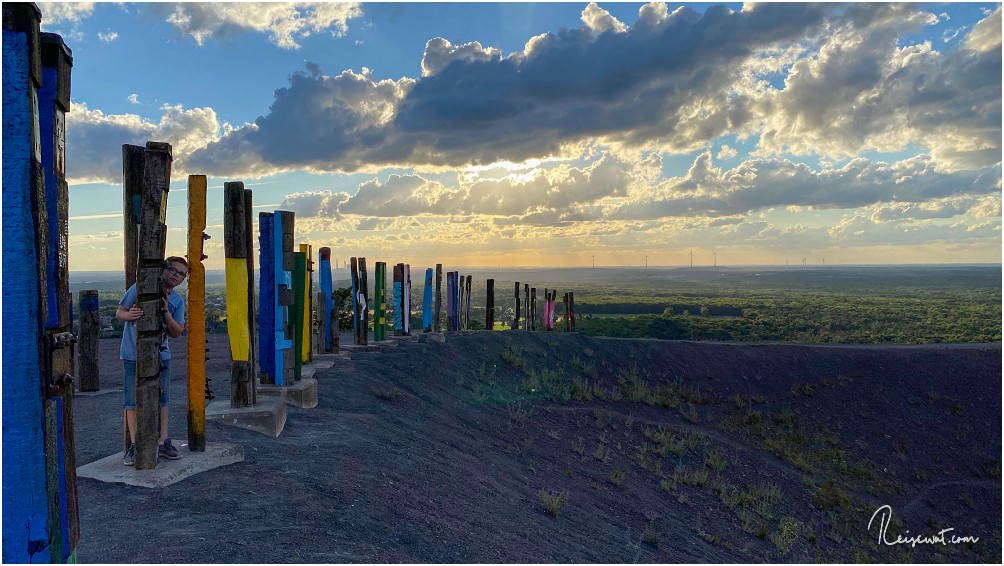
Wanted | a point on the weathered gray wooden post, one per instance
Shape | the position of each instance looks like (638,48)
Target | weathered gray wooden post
(571,311)
(132,206)
(235,248)
(87,344)
(467,307)
(533,308)
(490,306)
(150,297)
(252,299)
(526,306)
(515,317)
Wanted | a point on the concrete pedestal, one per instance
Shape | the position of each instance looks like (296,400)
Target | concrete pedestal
(112,470)
(302,394)
(267,417)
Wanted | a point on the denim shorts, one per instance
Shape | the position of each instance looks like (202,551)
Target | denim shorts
(129,383)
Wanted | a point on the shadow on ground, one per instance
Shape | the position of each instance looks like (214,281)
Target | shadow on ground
(531,447)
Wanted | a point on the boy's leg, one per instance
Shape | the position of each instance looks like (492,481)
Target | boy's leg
(129,397)
(165,397)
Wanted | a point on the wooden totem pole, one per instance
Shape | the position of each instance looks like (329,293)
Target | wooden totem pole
(439,304)
(533,308)
(380,302)
(515,312)
(87,345)
(150,329)
(299,300)
(490,306)
(325,302)
(237,249)
(267,303)
(427,302)
(306,353)
(360,298)
(285,359)
(198,386)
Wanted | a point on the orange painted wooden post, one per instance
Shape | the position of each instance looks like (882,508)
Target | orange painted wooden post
(196,311)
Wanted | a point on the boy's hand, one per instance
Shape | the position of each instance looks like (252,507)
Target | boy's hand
(134,313)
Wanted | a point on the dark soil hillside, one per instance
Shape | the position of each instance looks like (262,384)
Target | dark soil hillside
(642,451)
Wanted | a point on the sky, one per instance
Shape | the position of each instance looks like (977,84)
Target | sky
(551,134)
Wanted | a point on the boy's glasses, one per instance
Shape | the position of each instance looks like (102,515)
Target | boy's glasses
(181,274)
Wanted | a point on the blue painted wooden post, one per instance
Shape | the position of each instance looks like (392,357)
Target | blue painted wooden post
(427,302)
(266,298)
(25,510)
(406,299)
(325,308)
(282,230)
(439,294)
(458,304)
(398,299)
(53,103)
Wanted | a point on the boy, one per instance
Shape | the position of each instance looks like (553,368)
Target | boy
(174,320)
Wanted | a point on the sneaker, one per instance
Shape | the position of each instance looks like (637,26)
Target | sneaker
(168,451)
(129,459)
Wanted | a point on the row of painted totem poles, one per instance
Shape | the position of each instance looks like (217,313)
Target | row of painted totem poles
(458,303)
(40,513)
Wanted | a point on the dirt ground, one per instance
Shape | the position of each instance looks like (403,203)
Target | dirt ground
(665,452)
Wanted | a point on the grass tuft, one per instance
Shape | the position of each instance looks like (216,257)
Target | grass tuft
(554,502)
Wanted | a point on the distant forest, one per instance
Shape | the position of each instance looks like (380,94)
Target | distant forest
(838,305)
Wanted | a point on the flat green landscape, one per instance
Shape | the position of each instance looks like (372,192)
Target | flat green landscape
(825,305)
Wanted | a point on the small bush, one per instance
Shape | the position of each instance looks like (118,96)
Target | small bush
(786,535)
(553,502)
(716,461)
(387,394)
(617,476)
(650,538)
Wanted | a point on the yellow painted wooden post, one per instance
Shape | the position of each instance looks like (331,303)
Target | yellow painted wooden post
(196,306)
(235,247)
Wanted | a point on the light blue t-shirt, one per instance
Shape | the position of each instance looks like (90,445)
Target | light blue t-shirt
(175,305)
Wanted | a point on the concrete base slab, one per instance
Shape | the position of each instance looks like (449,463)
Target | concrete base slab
(409,338)
(387,343)
(267,417)
(338,356)
(432,337)
(302,394)
(167,472)
(97,393)
(356,348)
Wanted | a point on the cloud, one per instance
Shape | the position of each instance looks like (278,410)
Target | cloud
(726,152)
(673,81)
(94,140)
(284,23)
(600,21)
(555,195)
(761,183)
(134,98)
(64,12)
(439,53)
(319,123)
(862,91)
(108,37)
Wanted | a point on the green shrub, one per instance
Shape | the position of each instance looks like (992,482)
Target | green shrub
(553,502)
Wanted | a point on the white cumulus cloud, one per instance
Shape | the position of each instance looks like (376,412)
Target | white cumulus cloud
(284,22)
